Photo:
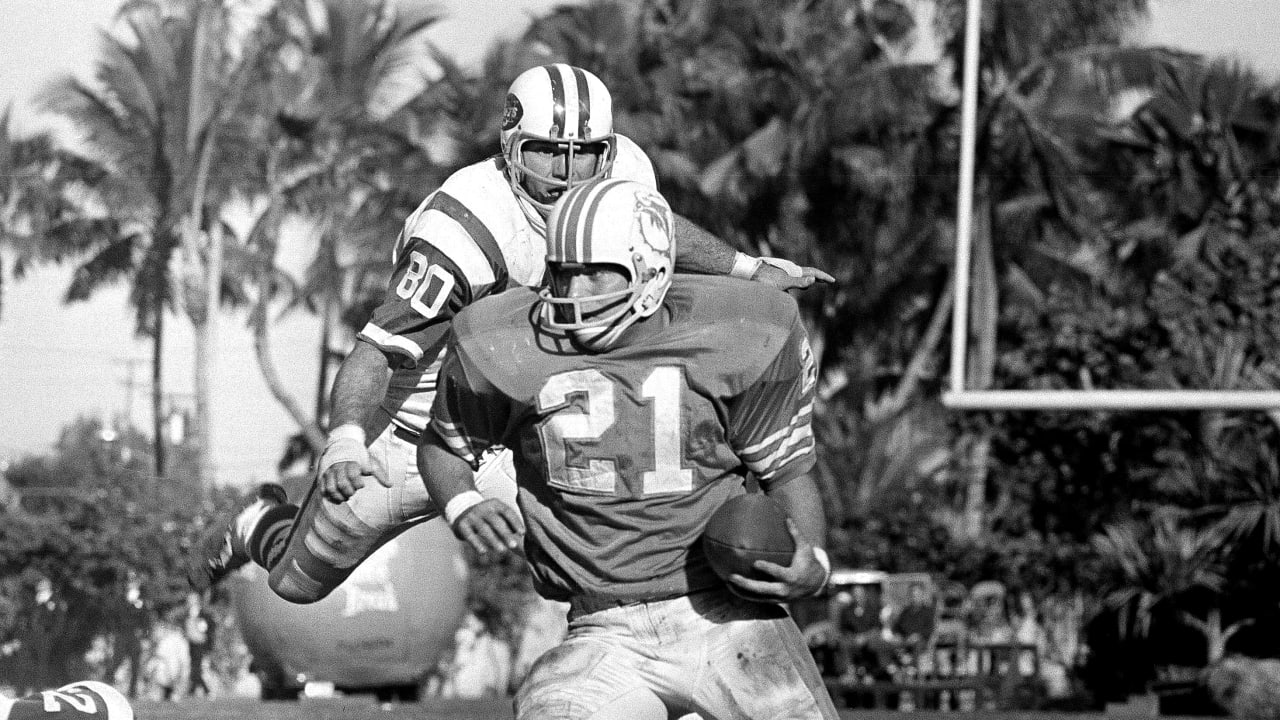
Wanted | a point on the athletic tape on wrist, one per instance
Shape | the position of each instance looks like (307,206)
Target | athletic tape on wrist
(347,431)
(345,444)
(784,265)
(461,503)
(744,266)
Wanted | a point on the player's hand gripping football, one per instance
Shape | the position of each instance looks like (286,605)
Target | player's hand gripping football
(344,464)
(803,578)
(492,528)
(786,275)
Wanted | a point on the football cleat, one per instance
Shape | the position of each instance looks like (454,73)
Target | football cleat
(85,700)
(223,550)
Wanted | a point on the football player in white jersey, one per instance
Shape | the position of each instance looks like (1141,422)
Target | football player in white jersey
(85,700)
(481,232)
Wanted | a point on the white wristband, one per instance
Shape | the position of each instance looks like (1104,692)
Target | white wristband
(348,431)
(821,556)
(744,266)
(461,503)
(344,444)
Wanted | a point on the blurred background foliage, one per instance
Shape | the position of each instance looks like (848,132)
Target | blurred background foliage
(1125,236)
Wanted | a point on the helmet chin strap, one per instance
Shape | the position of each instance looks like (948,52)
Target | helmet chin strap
(603,337)
(533,213)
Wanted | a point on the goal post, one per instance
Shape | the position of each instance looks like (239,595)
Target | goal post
(957,395)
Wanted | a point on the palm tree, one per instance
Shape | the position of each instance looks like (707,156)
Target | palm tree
(347,153)
(28,182)
(747,111)
(154,159)
(1049,74)
(1162,564)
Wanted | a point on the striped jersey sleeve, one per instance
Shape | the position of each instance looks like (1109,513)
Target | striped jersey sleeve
(445,259)
(771,421)
(468,419)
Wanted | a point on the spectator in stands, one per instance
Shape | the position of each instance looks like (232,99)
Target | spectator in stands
(989,619)
(862,633)
(198,626)
(913,629)
(1028,631)
(130,626)
(915,622)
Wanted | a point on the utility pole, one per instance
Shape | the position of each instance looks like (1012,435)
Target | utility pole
(129,383)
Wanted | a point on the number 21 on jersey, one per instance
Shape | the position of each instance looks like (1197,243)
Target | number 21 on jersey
(662,388)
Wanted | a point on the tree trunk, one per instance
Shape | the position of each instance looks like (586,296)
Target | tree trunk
(1215,636)
(206,336)
(262,349)
(322,382)
(160,466)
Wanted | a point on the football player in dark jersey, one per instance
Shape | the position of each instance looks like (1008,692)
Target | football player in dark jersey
(481,232)
(86,700)
(635,403)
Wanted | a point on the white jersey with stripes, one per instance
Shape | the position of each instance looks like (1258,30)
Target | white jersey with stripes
(469,239)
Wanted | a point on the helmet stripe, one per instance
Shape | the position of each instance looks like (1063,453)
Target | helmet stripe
(571,224)
(560,232)
(580,217)
(584,102)
(557,101)
(588,222)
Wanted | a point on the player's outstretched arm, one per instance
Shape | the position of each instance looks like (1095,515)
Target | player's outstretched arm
(357,389)
(806,575)
(490,526)
(701,252)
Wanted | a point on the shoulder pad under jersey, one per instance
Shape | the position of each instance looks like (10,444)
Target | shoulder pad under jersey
(744,324)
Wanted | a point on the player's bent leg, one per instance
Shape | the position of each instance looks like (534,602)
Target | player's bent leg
(330,540)
(760,667)
(86,700)
(264,520)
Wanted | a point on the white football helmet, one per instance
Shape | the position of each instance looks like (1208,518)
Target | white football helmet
(616,222)
(560,104)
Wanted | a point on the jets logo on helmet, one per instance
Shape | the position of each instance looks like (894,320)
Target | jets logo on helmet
(512,112)
(612,222)
(565,108)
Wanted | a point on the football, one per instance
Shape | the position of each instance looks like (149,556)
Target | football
(745,529)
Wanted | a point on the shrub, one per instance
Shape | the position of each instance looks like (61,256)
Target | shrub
(1248,687)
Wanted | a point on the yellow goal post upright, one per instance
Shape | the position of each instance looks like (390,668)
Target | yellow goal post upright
(959,397)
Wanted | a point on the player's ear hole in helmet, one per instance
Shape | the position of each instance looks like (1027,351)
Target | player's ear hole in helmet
(613,237)
(557,131)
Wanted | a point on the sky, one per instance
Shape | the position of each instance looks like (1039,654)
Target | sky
(58,362)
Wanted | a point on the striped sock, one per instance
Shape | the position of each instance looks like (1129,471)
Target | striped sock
(270,535)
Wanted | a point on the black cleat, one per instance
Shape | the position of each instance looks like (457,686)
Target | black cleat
(223,550)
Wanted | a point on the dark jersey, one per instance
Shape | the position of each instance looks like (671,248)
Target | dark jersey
(622,457)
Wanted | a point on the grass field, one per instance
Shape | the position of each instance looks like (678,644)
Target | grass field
(365,708)
(346,708)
